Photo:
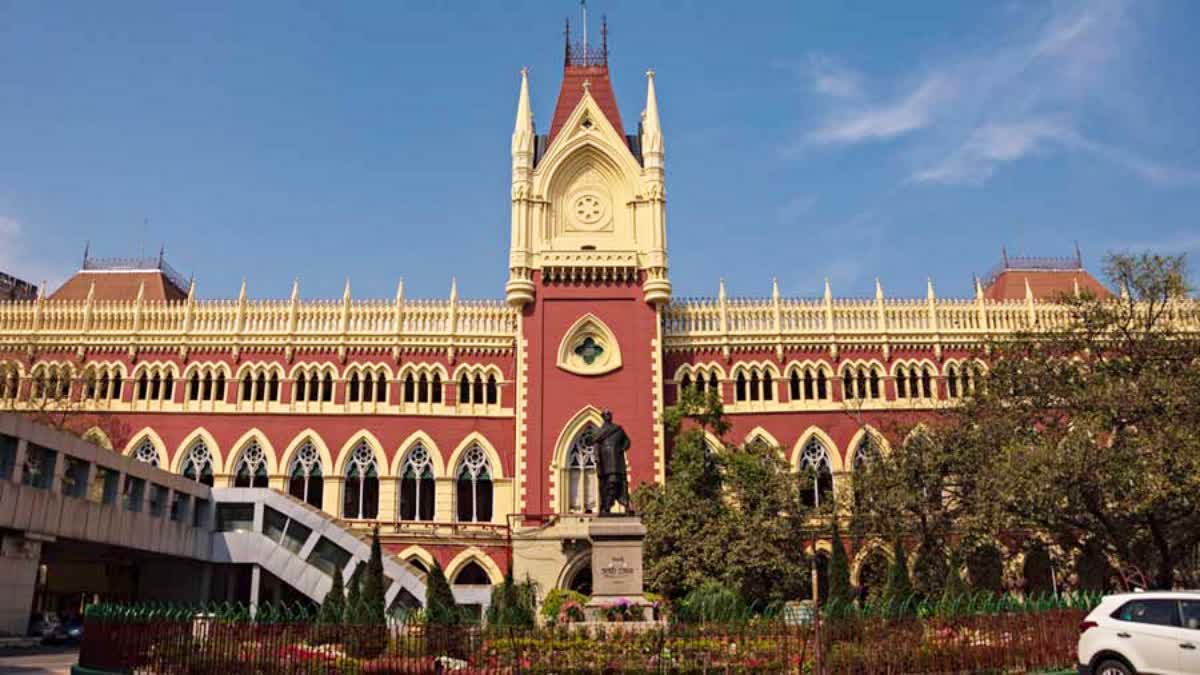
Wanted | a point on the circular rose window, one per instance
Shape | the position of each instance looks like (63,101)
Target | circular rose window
(589,211)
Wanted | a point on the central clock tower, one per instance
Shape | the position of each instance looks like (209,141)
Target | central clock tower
(588,269)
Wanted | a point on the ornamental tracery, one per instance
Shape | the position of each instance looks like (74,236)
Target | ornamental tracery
(580,473)
(305,480)
(146,453)
(816,473)
(417,491)
(198,464)
(252,467)
(361,494)
(474,486)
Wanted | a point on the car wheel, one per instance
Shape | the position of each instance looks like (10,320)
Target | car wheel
(1113,667)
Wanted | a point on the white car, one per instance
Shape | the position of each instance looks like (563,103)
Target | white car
(1142,633)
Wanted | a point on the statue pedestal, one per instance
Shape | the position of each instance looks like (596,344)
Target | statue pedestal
(617,566)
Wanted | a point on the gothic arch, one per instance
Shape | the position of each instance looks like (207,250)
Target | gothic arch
(474,438)
(309,435)
(424,440)
(589,326)
(201,366)
(235,451)
(347,452)
(576,564)
(872,546)
(198,434)
(835,456)
(761,433)
(474,554)
(587,415)
(96,436)
(419,553)
(571,148)
(885,446)
(155,440)
(308,367)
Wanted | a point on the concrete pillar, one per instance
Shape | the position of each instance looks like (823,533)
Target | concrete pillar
(19,460)
(19,559)
(255,588)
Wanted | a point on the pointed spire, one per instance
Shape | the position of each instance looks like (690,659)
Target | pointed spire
(1028,290)
(141,291)
(721,290)
(978,288)
(929,288)
(346,292)
(192,288)
(295,289)
(522,138)
(775,288)
(828,292)
(400,290)
(242,291)
(652,138)
(87,247)
(453,289)
(878,289)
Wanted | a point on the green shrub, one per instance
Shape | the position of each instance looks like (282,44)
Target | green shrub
(513,604)
(440,607)
(840,592)
(713,602)
(556,598)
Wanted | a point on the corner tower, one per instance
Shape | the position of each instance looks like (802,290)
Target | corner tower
(588,201)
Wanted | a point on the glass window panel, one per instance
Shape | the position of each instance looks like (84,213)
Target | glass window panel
(328,556)
(75,477)
(235,517)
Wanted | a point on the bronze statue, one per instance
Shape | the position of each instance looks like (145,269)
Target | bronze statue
(611,443)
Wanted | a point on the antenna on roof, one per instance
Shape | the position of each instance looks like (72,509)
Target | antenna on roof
(162,249)
(583,11)
(1078,256)
(87,246)
(145,233)
(604,37)
(567,41)
(1004,255)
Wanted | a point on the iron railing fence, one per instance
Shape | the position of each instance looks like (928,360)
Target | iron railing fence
(282,639)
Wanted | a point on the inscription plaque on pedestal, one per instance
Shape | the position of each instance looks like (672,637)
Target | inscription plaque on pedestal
(617,572)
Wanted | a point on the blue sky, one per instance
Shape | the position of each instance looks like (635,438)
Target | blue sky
(273,140)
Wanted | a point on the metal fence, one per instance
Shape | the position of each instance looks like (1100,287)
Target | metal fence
(277,640)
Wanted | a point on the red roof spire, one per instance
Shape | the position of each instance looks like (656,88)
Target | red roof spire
(585,63)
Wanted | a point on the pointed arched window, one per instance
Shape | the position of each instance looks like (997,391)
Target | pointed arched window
(146,452)
(493,391)
(198,465)
(474,487)
(252,467)
(417,488)
(472,574)
(816,474)
(361,494)
(583,487)
(304,477)
(952,381)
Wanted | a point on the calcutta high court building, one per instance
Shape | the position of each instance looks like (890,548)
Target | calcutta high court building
(458,426)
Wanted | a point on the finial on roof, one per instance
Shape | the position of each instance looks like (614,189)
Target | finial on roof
(400,289)
(878,289)
(1028,290)
(162,251)
(192,288)
(828,290)
(774,288)
(522,137)
(242,290)
(978,288)
(929,288)
(453,289)
(346,292)
(295,289)
(721,289)
(652,138)
(587,87)
(1078,256)
(91,291)
(1004,255)
(87,247)
(141,291)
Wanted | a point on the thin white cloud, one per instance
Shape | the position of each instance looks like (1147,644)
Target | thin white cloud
(1027,97)
(833,79)
(887,120)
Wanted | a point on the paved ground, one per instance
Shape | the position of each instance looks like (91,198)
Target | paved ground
(56,660)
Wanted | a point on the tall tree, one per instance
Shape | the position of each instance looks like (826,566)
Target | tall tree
(374,610)
(440,607)
(333,607)
(899,587)
(841,594)
(729,513)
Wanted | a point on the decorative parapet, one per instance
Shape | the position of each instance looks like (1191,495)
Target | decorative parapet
(316,325)
(742,324)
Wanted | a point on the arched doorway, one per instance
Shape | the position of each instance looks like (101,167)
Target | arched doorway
(872,575)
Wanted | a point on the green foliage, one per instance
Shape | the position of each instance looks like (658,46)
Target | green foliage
(929,570)
(333,607)
(713,602)
(954,588)
(1091,568)
(373,585)
(367,612)
(440,607)
(840,591)
(731,513)
(354,604)
(513,604)
(556,598)
(899,588)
